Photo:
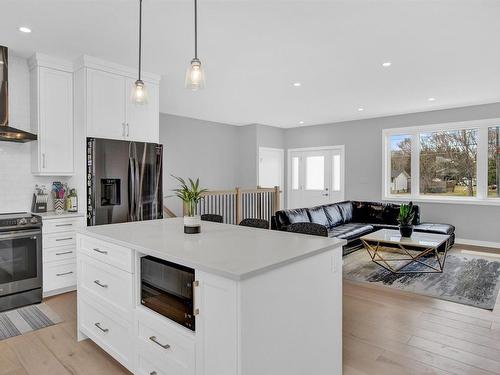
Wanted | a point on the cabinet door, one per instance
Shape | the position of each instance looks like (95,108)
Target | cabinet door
(105,105)
(143,119)
(55,122)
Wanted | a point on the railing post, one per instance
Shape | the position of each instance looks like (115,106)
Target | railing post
(277,199)
(238,205)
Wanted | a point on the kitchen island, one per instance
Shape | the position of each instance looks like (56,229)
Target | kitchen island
(264,302)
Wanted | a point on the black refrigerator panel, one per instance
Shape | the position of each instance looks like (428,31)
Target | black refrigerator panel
(124,181)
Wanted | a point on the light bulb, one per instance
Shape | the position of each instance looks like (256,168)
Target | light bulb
(195,76)
(139,93)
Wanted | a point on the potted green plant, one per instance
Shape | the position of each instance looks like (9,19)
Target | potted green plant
(405,219)
(190,194)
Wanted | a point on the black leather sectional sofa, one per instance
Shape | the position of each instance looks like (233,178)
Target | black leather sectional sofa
(351,220)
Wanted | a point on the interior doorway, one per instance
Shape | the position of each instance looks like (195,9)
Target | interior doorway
(315,176)
(271,169)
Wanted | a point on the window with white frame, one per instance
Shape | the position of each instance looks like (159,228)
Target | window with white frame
(452,162)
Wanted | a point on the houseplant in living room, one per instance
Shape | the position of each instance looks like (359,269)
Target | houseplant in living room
(190,194)
(405,219)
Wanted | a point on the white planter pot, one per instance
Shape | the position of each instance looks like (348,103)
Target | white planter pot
(192,224)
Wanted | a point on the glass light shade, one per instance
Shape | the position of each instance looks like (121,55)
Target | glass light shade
(195,76)
(139,93)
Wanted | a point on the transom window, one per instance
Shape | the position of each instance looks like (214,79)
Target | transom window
(452,162)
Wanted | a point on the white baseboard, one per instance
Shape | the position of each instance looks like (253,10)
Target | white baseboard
(495,245)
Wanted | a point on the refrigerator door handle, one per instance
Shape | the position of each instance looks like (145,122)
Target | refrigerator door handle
(128,129)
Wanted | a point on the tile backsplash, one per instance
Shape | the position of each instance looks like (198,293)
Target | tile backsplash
(16,181)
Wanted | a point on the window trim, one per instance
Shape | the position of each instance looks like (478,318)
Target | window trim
(482,162)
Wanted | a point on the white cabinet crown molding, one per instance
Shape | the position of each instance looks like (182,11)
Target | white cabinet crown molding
(42,60)
(86,61)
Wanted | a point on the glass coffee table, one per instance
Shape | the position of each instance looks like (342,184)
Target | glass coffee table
(420,253)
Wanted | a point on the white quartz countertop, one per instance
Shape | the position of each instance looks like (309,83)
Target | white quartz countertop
(229,251)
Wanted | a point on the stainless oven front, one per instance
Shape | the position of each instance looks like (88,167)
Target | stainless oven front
(20,268)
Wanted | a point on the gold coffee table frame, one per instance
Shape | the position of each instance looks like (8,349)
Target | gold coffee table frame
(406,250)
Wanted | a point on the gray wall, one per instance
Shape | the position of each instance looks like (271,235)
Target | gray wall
(363,147)
(195,148)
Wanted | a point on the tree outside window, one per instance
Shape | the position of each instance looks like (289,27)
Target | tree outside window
(494,162)
(448,163)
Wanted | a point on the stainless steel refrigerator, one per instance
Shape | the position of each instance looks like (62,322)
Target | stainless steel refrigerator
(124,181)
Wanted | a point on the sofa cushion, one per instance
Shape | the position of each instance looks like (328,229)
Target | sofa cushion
(350,230)
(296,215)
(334,215)
(435,228)
(346,209)
(317,215)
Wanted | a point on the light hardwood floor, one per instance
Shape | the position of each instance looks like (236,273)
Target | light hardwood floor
(385,332)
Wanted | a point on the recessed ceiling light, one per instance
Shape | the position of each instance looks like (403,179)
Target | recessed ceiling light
(431,99)
(297,84)
(361,109)
(386,64)
(25,29)
(301,122)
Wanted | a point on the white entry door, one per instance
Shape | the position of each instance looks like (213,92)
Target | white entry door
(316,176)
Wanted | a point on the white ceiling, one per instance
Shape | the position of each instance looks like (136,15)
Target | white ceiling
(254,50)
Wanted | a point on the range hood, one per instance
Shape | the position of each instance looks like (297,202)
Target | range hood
(8,133)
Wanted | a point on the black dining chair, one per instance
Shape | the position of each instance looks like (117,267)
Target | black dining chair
(212,217)
(255,223)
(308,228)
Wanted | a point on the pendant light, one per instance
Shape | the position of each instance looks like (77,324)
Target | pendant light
(139,93)
(195,75)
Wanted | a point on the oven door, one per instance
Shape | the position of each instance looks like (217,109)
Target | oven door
(20,261)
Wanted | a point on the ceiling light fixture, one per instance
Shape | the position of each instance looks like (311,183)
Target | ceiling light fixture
(297,84)
(139,93)
(25,29)
(431,99)
(361,109)
(195,75)
(386,64)
(301,122)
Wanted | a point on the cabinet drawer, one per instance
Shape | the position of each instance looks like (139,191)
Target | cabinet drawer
(57,275)
(54,254)
(111,284)
(106,330)
(170,347)
(153,364)
(59,239)
(63,225)
(106,252)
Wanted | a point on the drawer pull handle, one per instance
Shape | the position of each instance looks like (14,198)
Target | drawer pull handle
(64,239)
(64,225)
(64,273)
(155,340)
(98,325)
(99,283)
(64,253)
(100,251)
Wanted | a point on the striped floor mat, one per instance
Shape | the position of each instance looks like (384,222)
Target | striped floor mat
(25,319)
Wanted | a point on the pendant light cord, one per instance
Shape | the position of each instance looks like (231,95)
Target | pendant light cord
(140,37)
(195,29)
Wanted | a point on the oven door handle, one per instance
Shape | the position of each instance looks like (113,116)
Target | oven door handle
(11,235)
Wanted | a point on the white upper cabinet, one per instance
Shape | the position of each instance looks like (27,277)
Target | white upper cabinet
(109,110)
(52,116)
(105,105)
(143,120)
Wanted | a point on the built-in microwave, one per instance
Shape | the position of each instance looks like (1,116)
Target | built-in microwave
(167,288)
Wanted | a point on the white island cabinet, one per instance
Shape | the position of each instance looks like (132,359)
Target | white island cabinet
(266,302)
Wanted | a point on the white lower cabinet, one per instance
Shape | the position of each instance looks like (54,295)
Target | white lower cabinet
(106,329)
(59,252)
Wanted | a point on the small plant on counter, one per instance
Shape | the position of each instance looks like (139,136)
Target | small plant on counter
(405,219)
(190,193)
